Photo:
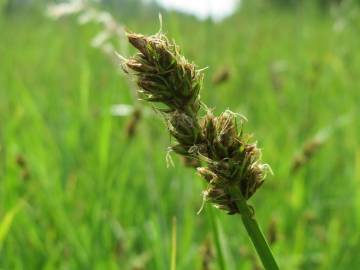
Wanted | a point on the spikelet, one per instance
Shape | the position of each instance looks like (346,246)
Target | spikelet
(221,76)
(314,144)
(307,152)
(23,166)
(273,231)
(164,75)
(229,160)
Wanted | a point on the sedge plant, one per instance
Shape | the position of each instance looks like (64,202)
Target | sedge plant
(229,163)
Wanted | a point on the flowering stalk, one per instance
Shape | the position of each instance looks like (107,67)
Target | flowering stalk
(231,165)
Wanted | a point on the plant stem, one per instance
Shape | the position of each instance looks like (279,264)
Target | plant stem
(173,245)
(216,235)
(255,233)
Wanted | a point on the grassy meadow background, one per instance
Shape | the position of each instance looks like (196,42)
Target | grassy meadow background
(77,193)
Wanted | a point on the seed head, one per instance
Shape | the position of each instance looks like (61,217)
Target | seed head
(163,75)
(225,158)
(232,161)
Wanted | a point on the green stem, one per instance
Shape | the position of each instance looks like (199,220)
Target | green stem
(173,244)
(216,235)
(255,233)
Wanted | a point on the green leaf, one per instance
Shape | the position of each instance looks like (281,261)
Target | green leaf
(7,221)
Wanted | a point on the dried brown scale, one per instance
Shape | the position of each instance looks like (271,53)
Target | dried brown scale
(307,152)
(21,162)
(191,162)
(229,160)
(221,75)
(132,125)
(272,231)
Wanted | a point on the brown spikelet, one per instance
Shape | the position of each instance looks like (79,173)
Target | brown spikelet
(22,164)
(191,162)
(221,76)
(20,161)
(272,232)
(133,123)
(307,152)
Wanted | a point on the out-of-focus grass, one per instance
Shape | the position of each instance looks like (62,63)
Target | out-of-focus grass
(92,199)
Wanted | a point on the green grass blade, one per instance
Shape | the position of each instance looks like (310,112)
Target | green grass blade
(7,221)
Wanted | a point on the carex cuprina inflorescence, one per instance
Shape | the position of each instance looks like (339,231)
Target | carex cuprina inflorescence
(166,79)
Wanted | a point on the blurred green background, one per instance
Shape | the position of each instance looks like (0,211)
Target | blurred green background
(77,192)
